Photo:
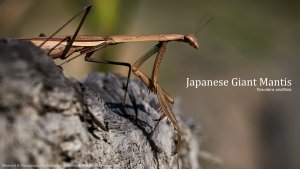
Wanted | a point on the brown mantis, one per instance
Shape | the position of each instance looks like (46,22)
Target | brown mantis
(64,46)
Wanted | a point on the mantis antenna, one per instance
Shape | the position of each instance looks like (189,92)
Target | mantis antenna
(206,23)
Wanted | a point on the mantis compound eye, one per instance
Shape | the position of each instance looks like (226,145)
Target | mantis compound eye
(192,40)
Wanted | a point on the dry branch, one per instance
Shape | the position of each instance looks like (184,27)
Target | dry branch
(48,120)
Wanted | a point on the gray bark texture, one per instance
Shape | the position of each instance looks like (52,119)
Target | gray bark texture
(50,121)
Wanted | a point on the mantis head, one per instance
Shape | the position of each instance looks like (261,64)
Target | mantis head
(192,40)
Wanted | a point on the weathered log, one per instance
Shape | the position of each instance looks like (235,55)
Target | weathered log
(48,120)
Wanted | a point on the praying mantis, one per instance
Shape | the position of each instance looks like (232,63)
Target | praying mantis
(63,47)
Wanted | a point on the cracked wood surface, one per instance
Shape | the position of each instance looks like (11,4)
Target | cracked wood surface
(49,120)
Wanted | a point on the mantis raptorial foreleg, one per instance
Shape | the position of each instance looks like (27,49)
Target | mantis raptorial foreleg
(160,49)
(164,98)
(169,113)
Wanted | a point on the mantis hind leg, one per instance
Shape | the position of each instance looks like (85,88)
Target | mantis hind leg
(69,39)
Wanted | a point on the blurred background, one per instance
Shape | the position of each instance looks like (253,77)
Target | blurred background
(247,39)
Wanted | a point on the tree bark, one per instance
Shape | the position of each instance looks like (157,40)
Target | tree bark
(48,120)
